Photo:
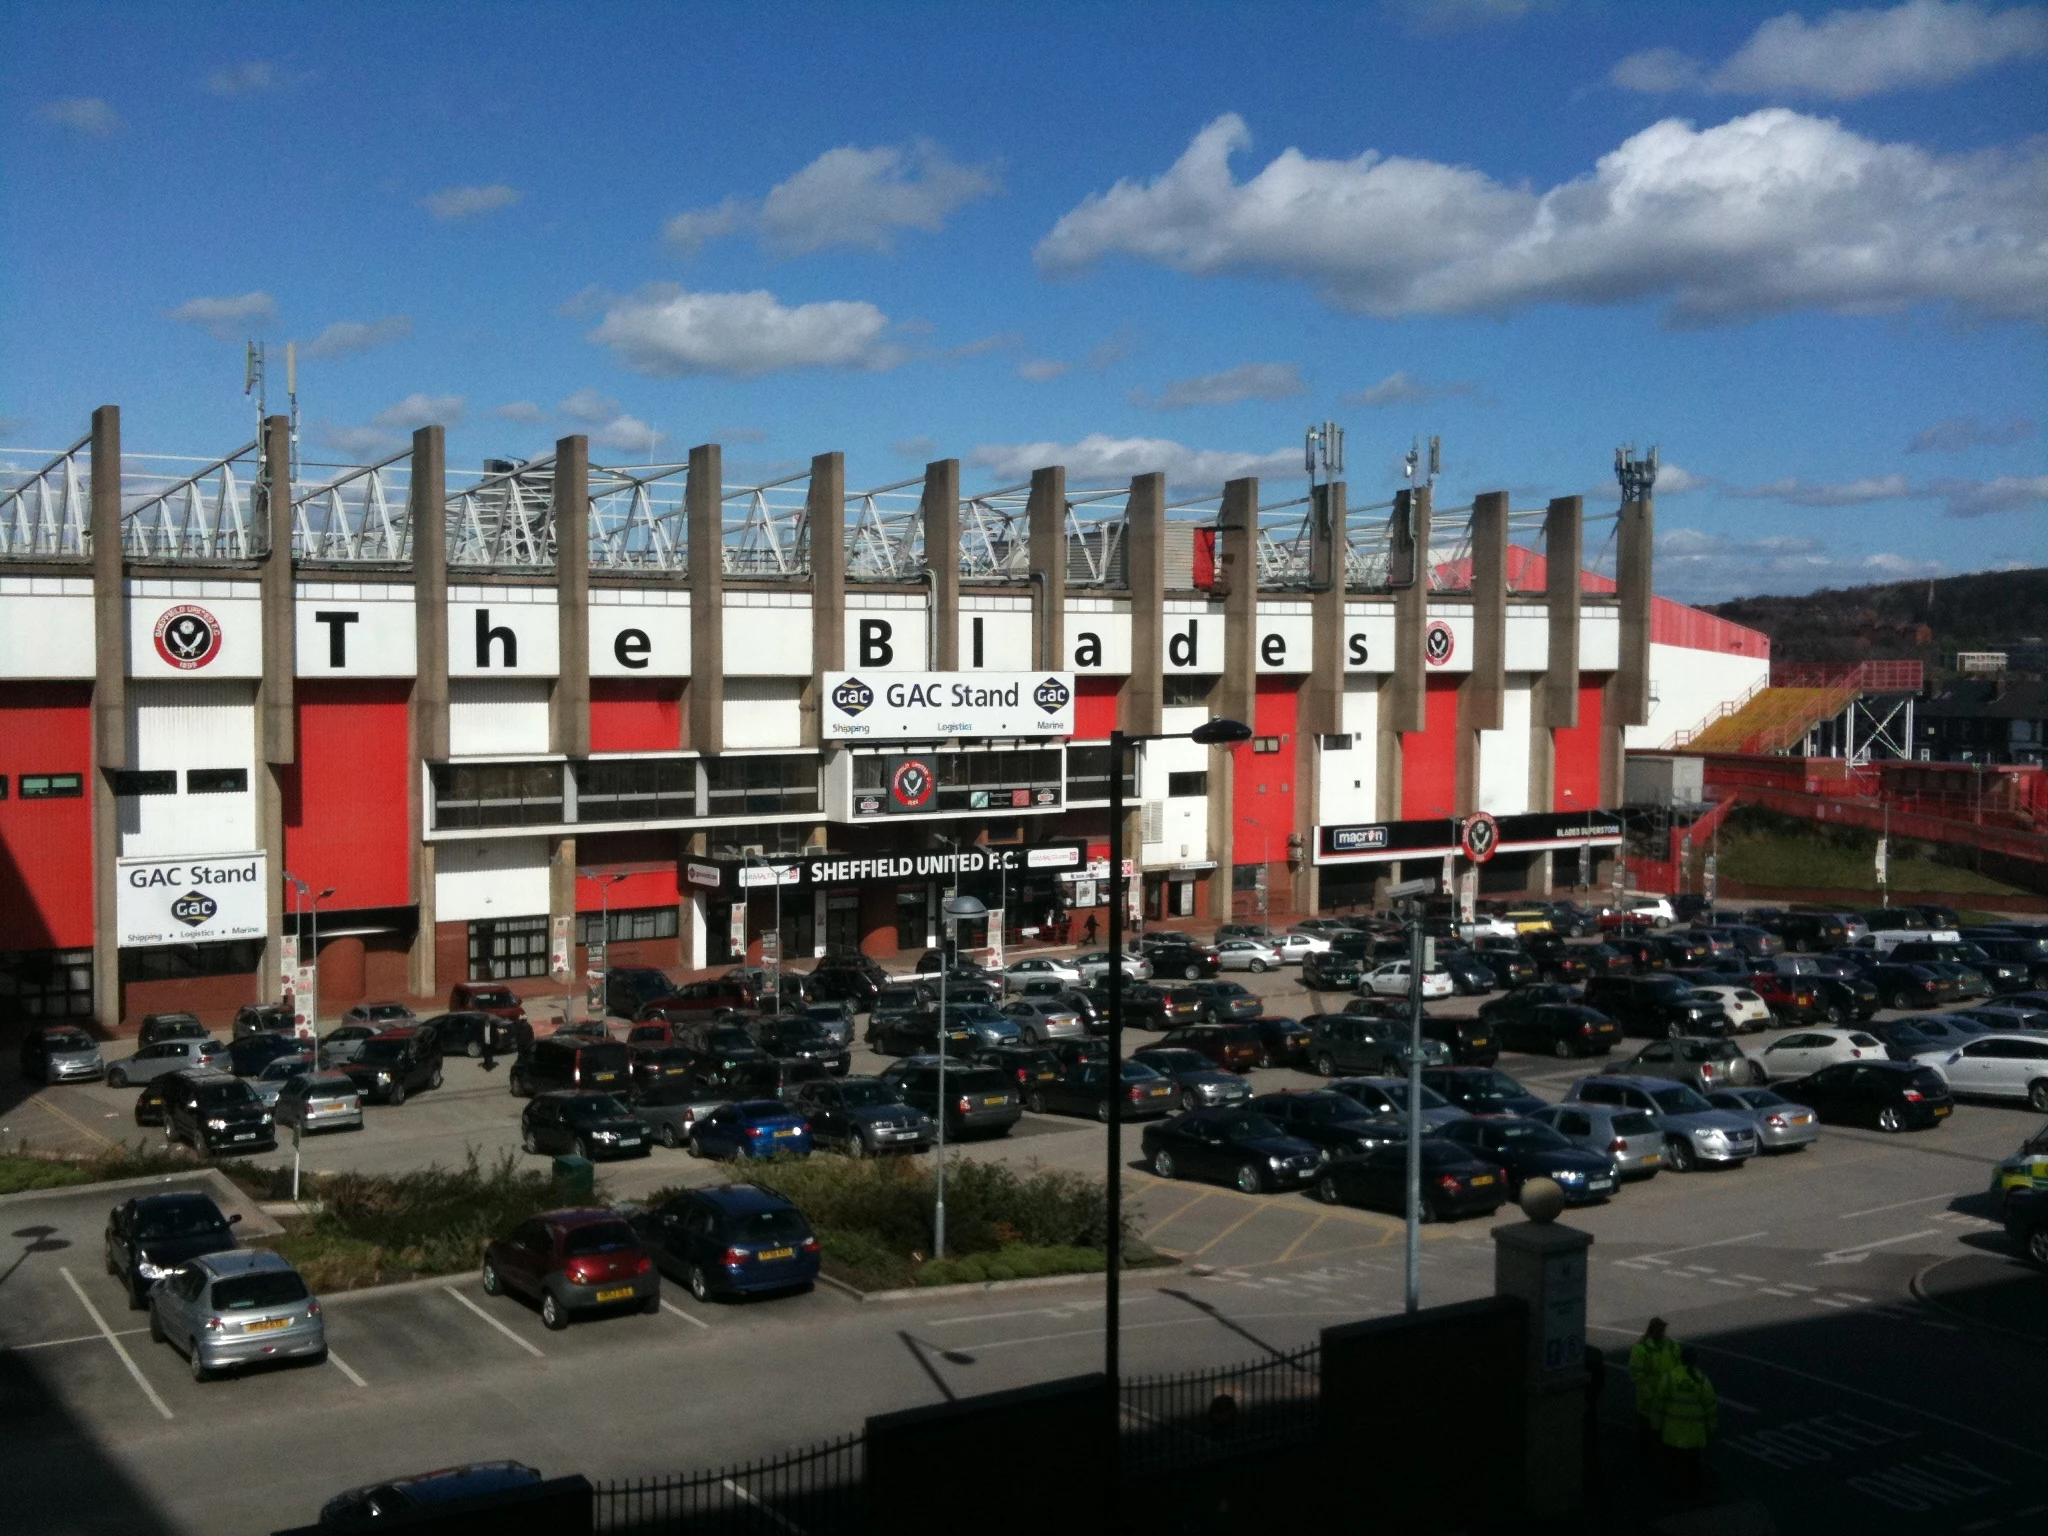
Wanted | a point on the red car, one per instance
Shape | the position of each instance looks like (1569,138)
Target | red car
(693,1000)
(486,997)
(573,1261)
(1794,999)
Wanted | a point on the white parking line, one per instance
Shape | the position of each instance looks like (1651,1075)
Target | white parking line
(1839,1255)
(1898,1206)
(344,1367)
(480,1312)
(669,1306)
(1696,1247)
(79,1338)
(120,1349)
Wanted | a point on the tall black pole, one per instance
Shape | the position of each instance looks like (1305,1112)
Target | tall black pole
(1112,1241)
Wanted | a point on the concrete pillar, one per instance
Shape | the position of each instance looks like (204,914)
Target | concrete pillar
(562,901)
(1626,699)
(825,512)
(1047,516)
(109,709)
(1322,695)
(940,509)
(569,701)
(1403,705)
(277,716)
(1235,695)
(1557,699)
(426,512)
(1143,696)
(1543,1265)
(1481,694)
(703,511)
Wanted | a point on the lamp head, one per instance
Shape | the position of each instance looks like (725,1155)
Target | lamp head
(964,906)
(1220,733)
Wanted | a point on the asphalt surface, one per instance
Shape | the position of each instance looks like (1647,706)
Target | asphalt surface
(1877,1350)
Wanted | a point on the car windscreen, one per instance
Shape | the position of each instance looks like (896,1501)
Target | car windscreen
(327,1083)
(1488,1084)
(1178,1060)
(1634,1123)
(763,1109)
(784,1226)
(376,1052)
(977,1080)
(225,1095)
(1252,1127)
(1679,1100)
(728,1037)
(67,1040)
(1322,1111)
(1529,1136)
(1668,989)
(196,1217)
(804,1032)
(1438,1153)
(491,997)
(1928,1081)
(1398,1092)
(598,1237)
(870,1095)
(596,1106)
(265,1288)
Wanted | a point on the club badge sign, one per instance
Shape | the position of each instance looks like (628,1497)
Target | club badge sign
(187,637)
(1439,643)
(1480,837)
(208,899)
(912,785)
(933,705)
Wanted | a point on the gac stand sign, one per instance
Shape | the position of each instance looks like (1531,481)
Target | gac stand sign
(931,705)
(205,899)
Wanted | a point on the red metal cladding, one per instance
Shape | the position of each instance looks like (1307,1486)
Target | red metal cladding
(629,715)
(1429,757)
(647,860)
(1095,700)
(345,816)
(1263,805)
(46,843)
(1576,775)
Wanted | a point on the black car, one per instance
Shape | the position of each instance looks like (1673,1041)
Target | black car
(1529,1149)
(1030,1065)
(1504,957)
(1285,1041)
(396,1064)
(774,1078)
(1481,1090)
(1331,1122)
(567,1062)
(978,1099)
(1891,1095)
(898,1000)
(1327,970)
(1151,1006)
(1559,1029)
(2028,954)
(169,1026)
(1804,932)
(863,1116)
(1606,959)
(1526,1000)
(1085,1089)
(250,1054)
(1227,1002)
(589,1124)
(629,988)
(718,1045)
(917,1033)
(151,1235)
(216,1113)
(1555,959)
(1844,999)
(1902,1040)
(1471,1042)
(794,1037)
(1678,950)
(1190,962)
(1909,986)
(469,1033)
(1456,1181)
(1230,1146)
(1650,1006)
(1470,975)
(2025,1216)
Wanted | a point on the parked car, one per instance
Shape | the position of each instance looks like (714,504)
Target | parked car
(574,1261)
(1844,999)
(1387,1098)
(1470,975)
(1348,1043)
(1902,1040)
(1094,965)
(1701,1062)
(1527,1149)
(1294,948)
(978,1099)
(1628,1136)
(180,1054)
(1558,1029)
(1480,1090)
(855,979)
(899,1000)
(1791,999)
(1946,1029)
(1527,999)
(1040,968)
(1695,1133)
(1804,931)
(1904,985)
(339,1045)
(1995,1067)
(865,1116)
(1333,1123)
(149,1236)
(1230,1146)
(2025,1217)
(1282,1042)
(1085,1088)
(697,999)
(1808,1050)
(381,1016)
(770,1078)
(1158,1006)
(250,1054)
(1391,980)
(661,1063)
(585,1122)
(1781,1125)
(1456,1181)
(60,1053)
(1676,951)
(1504,957)
(263,1019)
(752,1128)
(1200,1082)
(1331,971)
(794,1037)
(1746,1009)
(243,1307)
(1555,959)
(149,1104)
(629,988)
(1044,1018)
(1190,962)
(319,1101)
(269,1083)
(1231,1047)
(472,1031)
(570,1064)
(1891,1095)
(1654,1005)
(1227,1001)
(375,1503)
(169,1026)
(395,1064)
(1254,955)
(1471,1042)
(487,997)
(1997,975)
(739,1240)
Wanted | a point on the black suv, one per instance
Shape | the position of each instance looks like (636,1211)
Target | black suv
(793,1037)
(1650,1006)
(151,1235)
(852,979)
(216,1113)
(570,1063)
(1325,970)
(1555,959)
(977,1098)
(169,1026)
(1190,962)
(395,1063)
(1805,931)
(629,988)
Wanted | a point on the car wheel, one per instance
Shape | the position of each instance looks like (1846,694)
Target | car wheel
(1890,1120)
(700,1284)
(692,1148)
(1102,1111)
(493,1286)
(1037,1102)
(2037,1096)
(2037,1246)
(552,1313)
(583,1150)
(1162,1165)
(199,1370)
(1837,1014)
(1189,1099)
(116,1078)
(397,1095)
(1326,1064)
(1901,1000)
(515,1080)
(1662,922)
(1250,1180)
(1560,1047)
(669,1138)
(530,1143)
(435,1080)
(1326,1189)
(1192,973)
(156,1327)
(652,1304)
(474,1048)
(1257,967)
(1673,1031)
(1678,1153)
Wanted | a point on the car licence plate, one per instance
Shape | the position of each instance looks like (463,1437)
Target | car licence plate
(326,1106)
(789,1131)
(1940,1110)
(602,1077)
(1652,1157)
(775,1253)
(268,1325)
(992,1103)
(1484,1178)
(616,1293)
(629,1141)
(1600,1184)
(1481,1043)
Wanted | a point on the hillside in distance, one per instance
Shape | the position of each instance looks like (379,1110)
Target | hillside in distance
(1906,620)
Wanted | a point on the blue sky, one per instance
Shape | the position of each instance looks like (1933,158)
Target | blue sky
(1805,252)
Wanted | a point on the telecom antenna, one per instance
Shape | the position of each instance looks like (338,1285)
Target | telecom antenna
(1638,477)
(291,391)
(253,382)
(1323,449)
(1413,464)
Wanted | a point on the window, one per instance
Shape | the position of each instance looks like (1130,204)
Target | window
(637,923)
(134,782)
(1007,778)
(760,786)
(652,789)
(1341,742)
(508,948)
(1180,691)
(216,781)
(46,984)
(179,962)
(1266,744)
(1182,786)
(497,795)
(1088,775)
(52,786)
(3,786)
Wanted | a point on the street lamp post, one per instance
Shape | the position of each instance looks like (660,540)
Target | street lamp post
(313,900)
(1211,733)
(604,921)
(951,911)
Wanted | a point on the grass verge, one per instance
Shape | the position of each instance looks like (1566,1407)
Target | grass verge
(25,1169)
(1760,847)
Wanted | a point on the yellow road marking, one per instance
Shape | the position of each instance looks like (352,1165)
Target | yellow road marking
(1247,1216)
(1296,1244)
(1178,1212)
(76,1124)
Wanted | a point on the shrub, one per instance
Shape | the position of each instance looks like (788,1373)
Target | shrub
(1021,1261)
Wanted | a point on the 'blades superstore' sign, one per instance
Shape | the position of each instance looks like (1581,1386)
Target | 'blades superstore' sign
(930,705)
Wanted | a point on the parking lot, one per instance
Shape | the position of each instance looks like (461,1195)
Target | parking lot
(1831,1281)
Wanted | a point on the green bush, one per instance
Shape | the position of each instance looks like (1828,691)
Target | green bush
(1021,1261)
(24,1169)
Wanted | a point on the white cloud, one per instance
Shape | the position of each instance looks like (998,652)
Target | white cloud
(1113,348)
(229,318)
(1982,498)
(1657,72)
(1961,498)
(470,202)
(664,330)
(628,434)
(345,338)
(1698,566)
(357,442)
(1847,493)
(861,197)
(689,232)
(518,410)
(1101,458)
(981,346)
(1673,481)
(1403,388)
(924,449)
(1953,434)
(420,410)
(1042,370)
(246,79)
(589,407)
(1766,213)
(89,115)
(1247,381)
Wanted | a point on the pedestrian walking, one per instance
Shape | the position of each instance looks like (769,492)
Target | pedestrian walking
(1088,932)
(1690,1415)
(1653,1358)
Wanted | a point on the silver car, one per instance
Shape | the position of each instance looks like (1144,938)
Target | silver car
(244,1307)
(1387,1097)
(320,1101)
(271,1080)
(1094,965)
(1202,1084)
(1695,1133)
(1781,1125)
(1697,1060)
(344,1043)
(153,1061)
(1044,1019)
(1629,1136)
(1247,955)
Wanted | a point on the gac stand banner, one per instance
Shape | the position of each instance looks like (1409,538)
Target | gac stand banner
(205,899)
(930,705)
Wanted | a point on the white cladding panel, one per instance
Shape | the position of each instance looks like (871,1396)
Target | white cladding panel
(997,641)
(499,877)
(639,641)
(1096,642)
(1504,754)
(764,712)
(45,627)
(195,629)
(1184,819)
(1687,685)
(1286,642)
(497,716)
(1194,642)
(1599,639)
(1350,779)
(345,631)
(1528,639)
(1369,637)
(768,642)
(1447,637)
(209,723)
(512,632)
(884,639)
